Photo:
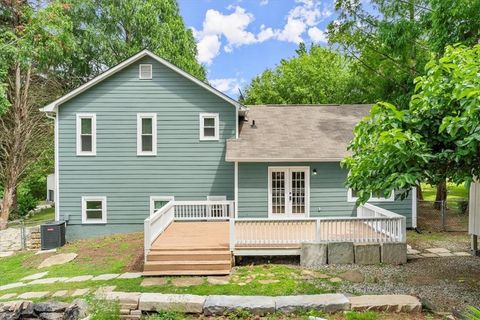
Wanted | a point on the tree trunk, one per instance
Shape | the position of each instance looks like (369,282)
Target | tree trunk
(6,205)
(419,192)
(441,194)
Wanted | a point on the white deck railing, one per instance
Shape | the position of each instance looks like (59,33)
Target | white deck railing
(204,210)
(373,224)
(156,224)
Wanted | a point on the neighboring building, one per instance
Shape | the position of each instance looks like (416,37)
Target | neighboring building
(144,133)
(51,187)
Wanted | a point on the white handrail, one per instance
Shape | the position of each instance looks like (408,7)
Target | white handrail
(156,224)
(204,210)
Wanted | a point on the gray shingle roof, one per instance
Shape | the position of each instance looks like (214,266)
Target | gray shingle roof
(296,133)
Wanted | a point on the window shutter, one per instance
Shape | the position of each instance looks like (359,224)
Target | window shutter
(145,71)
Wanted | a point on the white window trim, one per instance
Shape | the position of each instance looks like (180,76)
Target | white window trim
(140,71)
(217,125)
(351,198)
(103,199)
(141,116)
(288,215)
(81,116)
(158,198)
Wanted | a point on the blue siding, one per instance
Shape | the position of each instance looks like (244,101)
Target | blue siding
(328,195)
(184,167)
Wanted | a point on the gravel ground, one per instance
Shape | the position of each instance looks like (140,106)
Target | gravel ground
(443,284)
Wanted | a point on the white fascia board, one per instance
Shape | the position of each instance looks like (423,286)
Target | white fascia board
(52,107)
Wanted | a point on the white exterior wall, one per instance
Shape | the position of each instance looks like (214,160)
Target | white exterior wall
(474,209)
(51,184)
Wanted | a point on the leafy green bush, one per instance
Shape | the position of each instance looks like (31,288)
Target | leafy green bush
(104,309)
(25,203)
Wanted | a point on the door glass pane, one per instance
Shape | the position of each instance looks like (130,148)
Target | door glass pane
(147,143)
(86,142)
(86,126)
(298,192)
(278,192)
(146,125)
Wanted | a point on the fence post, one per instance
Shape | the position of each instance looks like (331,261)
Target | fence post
(23,234)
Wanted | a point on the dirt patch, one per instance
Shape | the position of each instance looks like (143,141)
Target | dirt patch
(35,260)
(430,218)
(136,264)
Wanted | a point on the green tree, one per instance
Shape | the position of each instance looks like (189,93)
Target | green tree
(33,44)
(318,75)
(110,31)
(436,138)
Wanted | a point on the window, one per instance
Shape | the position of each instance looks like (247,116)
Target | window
(157,202)
(86,134)
(209,124)
(375,197)
(145,72)
(146,134)
(94,209)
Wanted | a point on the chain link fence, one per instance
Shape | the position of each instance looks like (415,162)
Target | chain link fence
(450,215)
(19,235)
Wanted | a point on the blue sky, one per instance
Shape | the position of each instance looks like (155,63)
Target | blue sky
(238,39)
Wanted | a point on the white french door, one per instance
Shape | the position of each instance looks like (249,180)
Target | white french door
(288,192)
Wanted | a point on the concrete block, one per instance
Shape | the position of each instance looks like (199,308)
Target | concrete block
(220,305)
(387,303)
(340,253)
(323,302)
(124,298)
(394,253)
(367,253)
(184,303)
(313,255)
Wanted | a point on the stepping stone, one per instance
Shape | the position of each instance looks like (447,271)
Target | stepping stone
(12,285)
(446,254)
(185,303)
(268,281)
(60,293)
(187,282)
(57,259)
(153,281)
(429,255)
(79,278)
(130,275)
(33,295)
(80,292)
(8,296)
(46,251)
(35,276)
(335,280)
(48,280)
(218,280)
(438,250)
(105,277)
(462,254)
(6,254)
(352,276)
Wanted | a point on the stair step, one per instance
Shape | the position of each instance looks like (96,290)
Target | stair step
(187,265)
(189,248)
(203,255)
(187,272)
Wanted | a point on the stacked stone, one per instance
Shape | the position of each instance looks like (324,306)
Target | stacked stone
(53,310)
(128,304)
(33,238)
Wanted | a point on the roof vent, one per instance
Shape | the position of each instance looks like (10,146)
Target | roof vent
(145,72)
(254,126)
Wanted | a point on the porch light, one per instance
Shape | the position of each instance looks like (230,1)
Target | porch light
(314,172)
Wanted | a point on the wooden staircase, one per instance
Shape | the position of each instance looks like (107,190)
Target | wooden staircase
(194,252)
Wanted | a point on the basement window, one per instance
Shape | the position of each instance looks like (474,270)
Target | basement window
(94,209)
(145,72)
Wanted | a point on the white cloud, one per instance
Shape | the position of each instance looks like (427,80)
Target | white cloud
(292,31)
(208,48)
(263,2)
(229,86)
(317,35)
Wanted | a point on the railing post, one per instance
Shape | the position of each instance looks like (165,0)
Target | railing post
(317,230)
(403,237)
(146,237)
(232,234)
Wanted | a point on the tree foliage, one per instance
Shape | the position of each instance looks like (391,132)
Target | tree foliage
(110,31)
(315,76)
(436,138)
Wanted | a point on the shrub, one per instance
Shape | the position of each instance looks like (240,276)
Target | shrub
(25,203)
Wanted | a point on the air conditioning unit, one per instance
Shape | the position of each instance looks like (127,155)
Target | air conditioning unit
(53,234)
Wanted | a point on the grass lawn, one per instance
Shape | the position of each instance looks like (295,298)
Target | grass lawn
(41,216)
(454,192)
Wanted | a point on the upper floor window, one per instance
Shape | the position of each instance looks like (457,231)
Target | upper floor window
(145,72)
(146,134)
(86,134)
(375,197)
(209,126)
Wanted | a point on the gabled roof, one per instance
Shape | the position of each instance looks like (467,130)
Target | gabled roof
(315,133)
(52,107)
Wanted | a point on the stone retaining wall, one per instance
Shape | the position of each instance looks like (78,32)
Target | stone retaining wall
(13,239)
(314,255)
(43,310)
(134,304)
